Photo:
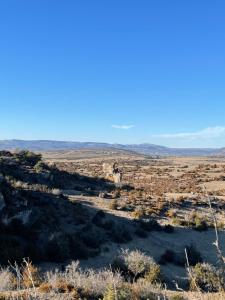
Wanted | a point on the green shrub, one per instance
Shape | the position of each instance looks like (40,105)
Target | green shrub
(177,297)
(197,222)
(135,264)
(61,247)
(153,275)
(168,228)
(108,225)
(98,218)
(141,233)
(179,222)
(28,157)
(39,166)
(194,256)
(200,224)
(167,257)
(57,249)
(120,234)
(150,225)
(138,214)
(90,236)
(11,249)
(117,294)
(206,278)
(113,204)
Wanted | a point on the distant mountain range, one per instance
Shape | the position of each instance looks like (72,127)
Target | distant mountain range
(147,149)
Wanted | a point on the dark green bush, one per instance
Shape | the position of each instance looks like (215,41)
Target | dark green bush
(168,228)
(57,248)
(40,166)
(11,249)
(98,219)
(200,224)
(28,157)
(167,257)
(194,256)
(150,225)
(141,233)
(120,234)
(177,297)
(206,278)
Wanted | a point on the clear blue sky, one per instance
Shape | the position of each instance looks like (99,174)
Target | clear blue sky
(126,71)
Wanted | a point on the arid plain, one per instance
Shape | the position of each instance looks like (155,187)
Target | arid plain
(175,191)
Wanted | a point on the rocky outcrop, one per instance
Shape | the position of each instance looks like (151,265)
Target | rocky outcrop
(112,172)
(117,177)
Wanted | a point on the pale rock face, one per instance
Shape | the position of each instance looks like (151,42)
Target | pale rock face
(2,202)
(108,169)
(117,177)
(111,171)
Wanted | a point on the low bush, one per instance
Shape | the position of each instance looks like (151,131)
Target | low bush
(12,249)
(200,224)
(141,233)
(113,205)
(61,247)
(177,297)
(168,228)
(120,234)
(150,225)
(135,264)
(153,275)
(206,278)
(30,275)
(57,248)
(197,222)
(167,257)
(98,218)
(91,284)
(108,225)
(123,293)
(194,256)
(179,222)
(28,157)
(7,280)
(138,214)
(39,167)
(171,213)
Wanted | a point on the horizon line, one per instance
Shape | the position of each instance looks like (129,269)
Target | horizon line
(91,142)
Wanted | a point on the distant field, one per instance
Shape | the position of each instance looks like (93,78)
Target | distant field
(87,154)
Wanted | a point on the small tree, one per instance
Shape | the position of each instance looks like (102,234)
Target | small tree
(138,264)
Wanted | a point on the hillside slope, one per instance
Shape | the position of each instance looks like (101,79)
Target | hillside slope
(37,220)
